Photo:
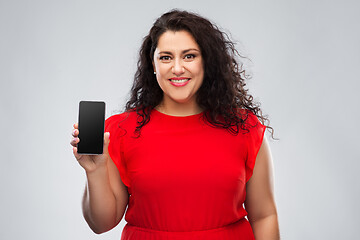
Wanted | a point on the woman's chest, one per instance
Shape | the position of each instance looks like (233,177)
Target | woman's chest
(186,160)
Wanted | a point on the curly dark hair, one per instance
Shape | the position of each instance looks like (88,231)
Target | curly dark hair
(222,92)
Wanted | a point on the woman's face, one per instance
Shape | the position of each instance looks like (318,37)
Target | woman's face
(179,67)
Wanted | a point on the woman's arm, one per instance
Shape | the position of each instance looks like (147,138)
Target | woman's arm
(260,202)
(105,196)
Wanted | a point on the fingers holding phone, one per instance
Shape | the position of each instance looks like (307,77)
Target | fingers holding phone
(90,162)
(75,140)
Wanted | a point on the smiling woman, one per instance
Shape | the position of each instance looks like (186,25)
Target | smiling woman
(201,168)
(179,72)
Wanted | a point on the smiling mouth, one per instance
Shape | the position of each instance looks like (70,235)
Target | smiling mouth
(179,80)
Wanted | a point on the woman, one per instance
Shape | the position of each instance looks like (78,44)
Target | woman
(182,156)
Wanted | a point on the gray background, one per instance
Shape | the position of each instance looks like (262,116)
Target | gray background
(55,53)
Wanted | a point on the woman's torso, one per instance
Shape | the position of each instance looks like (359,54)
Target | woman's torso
(186,179)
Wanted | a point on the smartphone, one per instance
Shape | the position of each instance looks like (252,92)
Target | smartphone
(91,127)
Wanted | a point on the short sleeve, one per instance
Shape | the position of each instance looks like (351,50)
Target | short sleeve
(254,140)
(112,125)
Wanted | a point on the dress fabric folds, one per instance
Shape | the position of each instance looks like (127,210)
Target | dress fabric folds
(186,178)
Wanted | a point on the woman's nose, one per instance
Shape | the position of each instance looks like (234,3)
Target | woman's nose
(178,67)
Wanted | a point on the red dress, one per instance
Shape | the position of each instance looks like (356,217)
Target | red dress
(186,178)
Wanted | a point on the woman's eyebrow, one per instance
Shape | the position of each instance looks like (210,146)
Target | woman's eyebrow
(190,49)
(183,52)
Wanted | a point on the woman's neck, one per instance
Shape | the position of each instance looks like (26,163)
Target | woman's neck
(179,109)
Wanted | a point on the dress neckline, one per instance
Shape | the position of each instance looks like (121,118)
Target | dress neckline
(177,117)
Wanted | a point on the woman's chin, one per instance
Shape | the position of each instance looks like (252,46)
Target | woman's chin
(183,100)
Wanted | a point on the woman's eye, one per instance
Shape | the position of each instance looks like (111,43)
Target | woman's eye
(165,58)
(190,56)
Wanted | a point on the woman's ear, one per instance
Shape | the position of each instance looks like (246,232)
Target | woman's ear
(154,67)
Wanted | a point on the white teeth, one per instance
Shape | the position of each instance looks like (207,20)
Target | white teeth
(179,81)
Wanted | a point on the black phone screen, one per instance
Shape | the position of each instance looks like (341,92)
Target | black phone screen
(91,127)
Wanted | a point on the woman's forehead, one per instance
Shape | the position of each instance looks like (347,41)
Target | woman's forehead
(176,41)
